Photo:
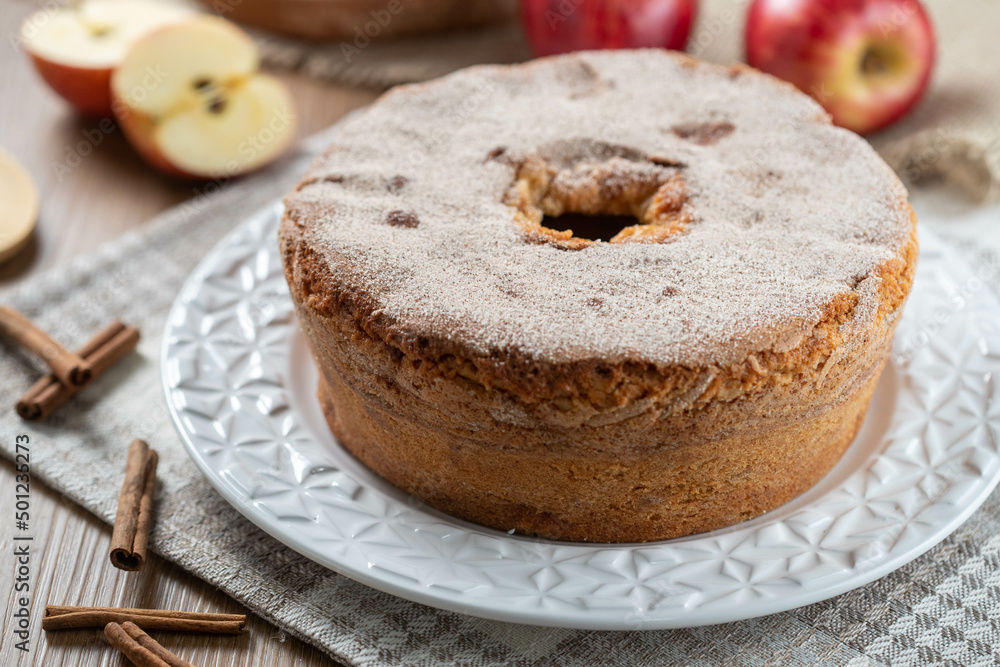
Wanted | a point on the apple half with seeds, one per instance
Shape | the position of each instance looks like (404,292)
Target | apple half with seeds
(192,102)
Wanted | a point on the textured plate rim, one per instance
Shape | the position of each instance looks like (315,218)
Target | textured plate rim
(583,618)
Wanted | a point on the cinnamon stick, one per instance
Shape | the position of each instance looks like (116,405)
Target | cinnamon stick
(151,645)
(71,368)
(58,617)
(62,610)
(130,648)
(102,352)
(135,508)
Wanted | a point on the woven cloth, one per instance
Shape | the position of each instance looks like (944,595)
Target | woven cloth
(940,609)
(954,135)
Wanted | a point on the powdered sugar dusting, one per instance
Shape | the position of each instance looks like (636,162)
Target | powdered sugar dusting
(787,211)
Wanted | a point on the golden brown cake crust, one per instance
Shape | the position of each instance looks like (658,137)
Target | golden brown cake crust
(596,441)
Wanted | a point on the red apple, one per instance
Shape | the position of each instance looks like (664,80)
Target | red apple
(75,48)
(190,99)
(559,26)
(868,62)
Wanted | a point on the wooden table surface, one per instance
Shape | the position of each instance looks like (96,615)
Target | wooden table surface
(109,192)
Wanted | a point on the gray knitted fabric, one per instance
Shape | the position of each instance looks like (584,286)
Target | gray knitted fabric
(941,609)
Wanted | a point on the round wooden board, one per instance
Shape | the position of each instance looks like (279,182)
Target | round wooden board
(18,206)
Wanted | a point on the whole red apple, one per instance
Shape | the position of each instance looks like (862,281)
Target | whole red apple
(559,26)
(867,62)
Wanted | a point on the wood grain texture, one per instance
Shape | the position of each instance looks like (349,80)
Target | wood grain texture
(93,189)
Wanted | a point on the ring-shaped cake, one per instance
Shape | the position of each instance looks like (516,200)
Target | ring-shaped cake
(703,364)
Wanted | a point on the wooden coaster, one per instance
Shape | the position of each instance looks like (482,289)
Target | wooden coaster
(18,206)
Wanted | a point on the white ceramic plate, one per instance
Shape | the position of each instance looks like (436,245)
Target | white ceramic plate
(240,386)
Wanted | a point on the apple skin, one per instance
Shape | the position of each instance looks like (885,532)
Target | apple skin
(868,62)
(560,26)
(88,90)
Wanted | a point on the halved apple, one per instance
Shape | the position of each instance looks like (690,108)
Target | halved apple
(190,99)
(76,48)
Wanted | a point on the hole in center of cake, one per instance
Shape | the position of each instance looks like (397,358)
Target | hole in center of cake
(597,227)
(573,204)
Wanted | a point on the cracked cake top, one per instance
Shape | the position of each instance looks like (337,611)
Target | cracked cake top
(752,213)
